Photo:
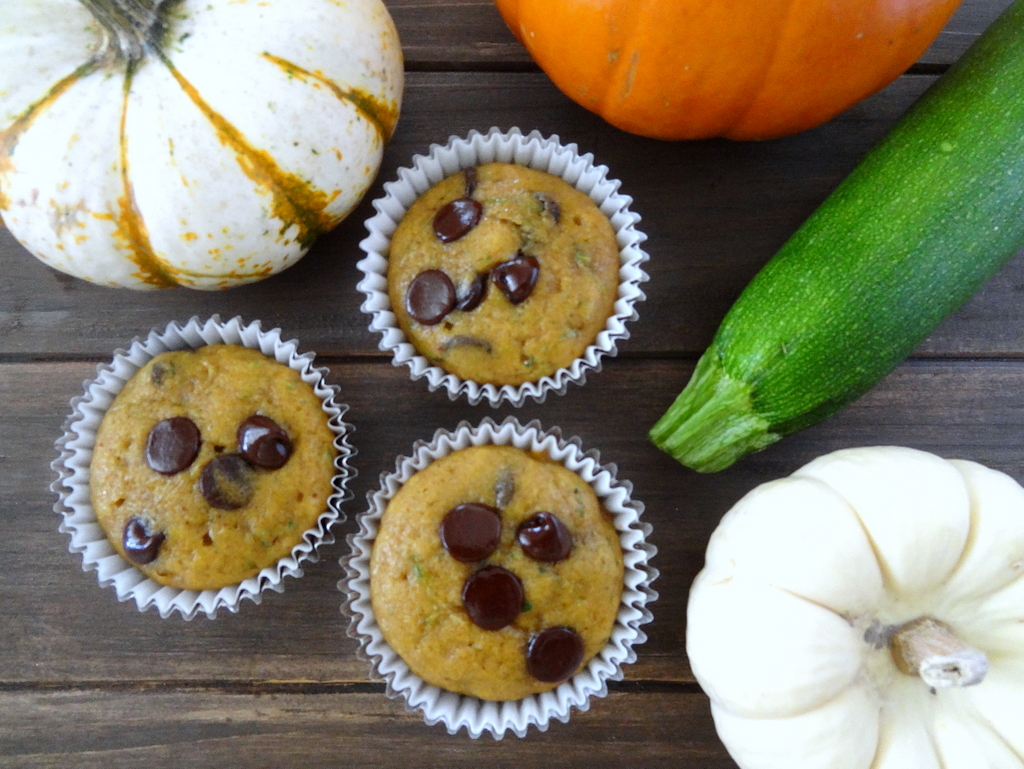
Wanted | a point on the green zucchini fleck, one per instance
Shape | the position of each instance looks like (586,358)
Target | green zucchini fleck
(927,217)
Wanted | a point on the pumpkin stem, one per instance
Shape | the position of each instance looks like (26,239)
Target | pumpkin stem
(131,25)
(930,649)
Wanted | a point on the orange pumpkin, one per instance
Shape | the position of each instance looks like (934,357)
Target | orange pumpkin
(689,69)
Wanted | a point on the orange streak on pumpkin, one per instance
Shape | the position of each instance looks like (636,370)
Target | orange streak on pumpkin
(382,115)
(294,201)
(130,228)
(128,222)
(10,136)
(130,225)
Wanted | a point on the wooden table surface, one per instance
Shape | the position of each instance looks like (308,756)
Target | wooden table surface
(90,682)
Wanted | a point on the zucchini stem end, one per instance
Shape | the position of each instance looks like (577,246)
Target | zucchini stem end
(712,422)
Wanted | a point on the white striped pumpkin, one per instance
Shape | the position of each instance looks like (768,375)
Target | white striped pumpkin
(204,143)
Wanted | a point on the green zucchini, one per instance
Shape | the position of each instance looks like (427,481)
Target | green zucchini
(922,222)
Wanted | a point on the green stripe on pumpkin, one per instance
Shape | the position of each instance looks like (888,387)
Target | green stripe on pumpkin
(9,137)
(130,224)
(294,200)
(382,115)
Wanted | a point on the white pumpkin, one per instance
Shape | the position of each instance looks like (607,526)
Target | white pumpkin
(867,612)
(206,143)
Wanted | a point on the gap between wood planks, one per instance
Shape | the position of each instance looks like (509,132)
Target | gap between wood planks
(920,68)
(16,359)
(288,687)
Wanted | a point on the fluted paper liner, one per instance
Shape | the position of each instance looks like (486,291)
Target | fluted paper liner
(457,711)
(75,453)
(542,154)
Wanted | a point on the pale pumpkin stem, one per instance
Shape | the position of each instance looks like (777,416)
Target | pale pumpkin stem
(131,25)
(932,650)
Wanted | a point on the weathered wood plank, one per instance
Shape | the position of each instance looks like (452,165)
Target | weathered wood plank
(456,34)
(715,212)
(197,727)
(57,620)
(89,682)
(60,626)
(969,21)
(470,33)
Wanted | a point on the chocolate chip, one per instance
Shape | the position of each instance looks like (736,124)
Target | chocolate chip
(264,442)
(227,482)
(470,532)
(469,174)
(474,294)
(516,277)
(544,537)
(553,655)
(430,297)
(141,545)
(550,206)
(172,445)
(457,218)
(493,596)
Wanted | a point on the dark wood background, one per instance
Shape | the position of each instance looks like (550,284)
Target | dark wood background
(89,682)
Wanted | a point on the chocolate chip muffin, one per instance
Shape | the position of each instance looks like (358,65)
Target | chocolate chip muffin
(503,274)
(496,573)
(210,465)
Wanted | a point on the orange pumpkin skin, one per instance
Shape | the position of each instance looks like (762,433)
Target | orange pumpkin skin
(743,69)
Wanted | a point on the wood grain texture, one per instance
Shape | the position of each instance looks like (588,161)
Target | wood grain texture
(969,21)
(714,211)
(198,727)
(57,621)
(88,682)
(456,34)
(460,34)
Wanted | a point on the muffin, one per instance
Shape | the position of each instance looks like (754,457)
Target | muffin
(483,277)
(209,465)
(496,573)
(503,274)
(499,578)
(134,457)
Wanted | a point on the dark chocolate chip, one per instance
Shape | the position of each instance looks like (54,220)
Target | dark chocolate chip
(469,174)
(264,442)
(430,297)
(141,545)
(549,205)
(553,654)
(457,218)
(493,596)
(544,537)
(466,341)
(470,532)
(227,482)
(172,445)
(516,277)
(474,294)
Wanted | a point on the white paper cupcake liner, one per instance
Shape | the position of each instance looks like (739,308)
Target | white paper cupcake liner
(542,154)
(75,453)
(457,711)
